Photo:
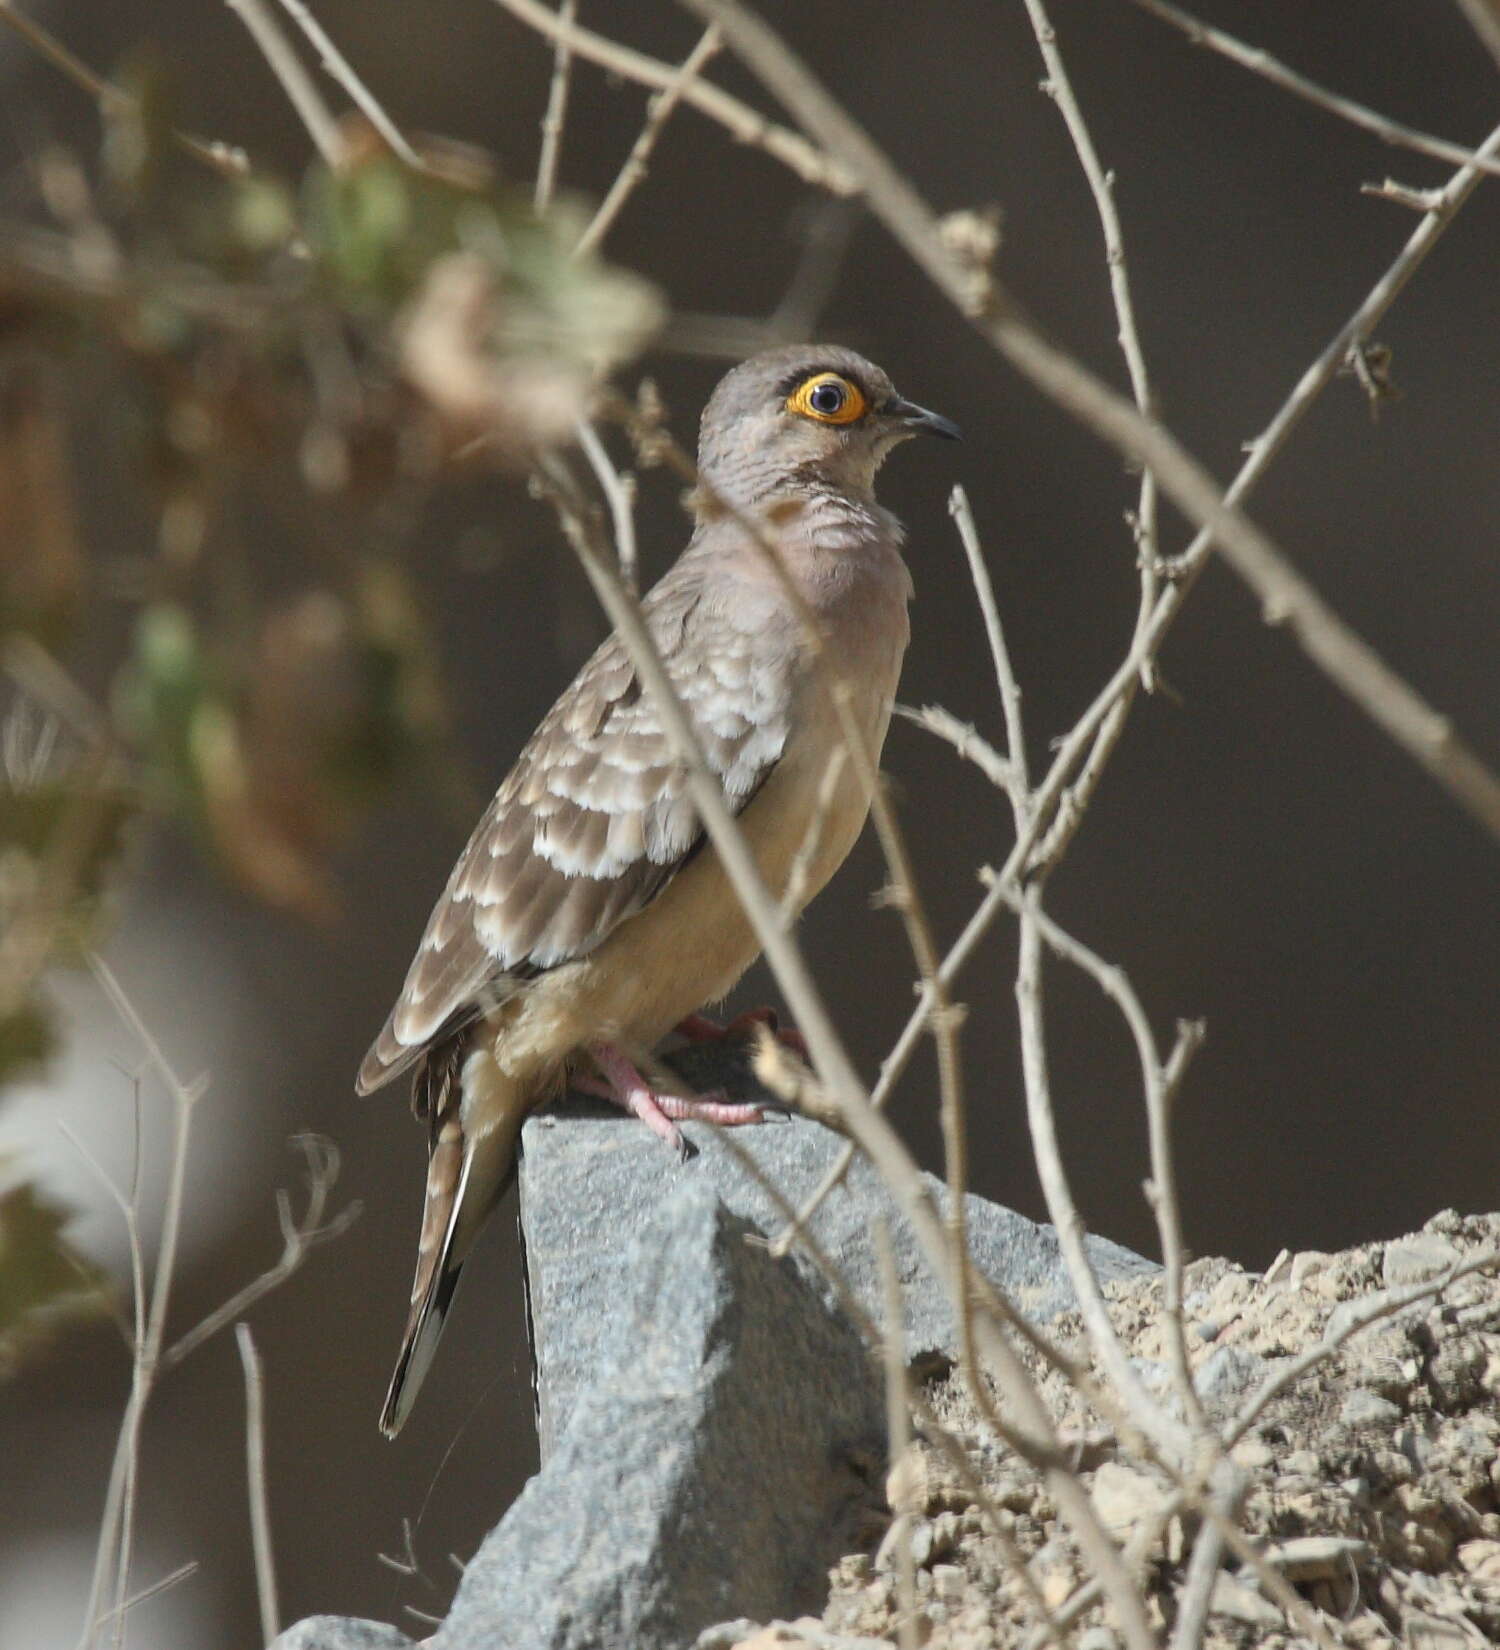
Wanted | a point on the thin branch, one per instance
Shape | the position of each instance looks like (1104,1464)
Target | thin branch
(618,494)
(1484,19)
(1101,184)
(964,738)
(1286,596)
(255,1466)
(225,158)
(296,82)
(658,113)
(898,1432)
(298,1238)
(1261,62)
(743,123)
(340,69)
(794,898)
(153,1590)
(556,116)
(1061,1208)
(1018,783)
(1159,1080)
(1203,1568)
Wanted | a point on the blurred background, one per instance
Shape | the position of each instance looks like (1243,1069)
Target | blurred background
(1259,855)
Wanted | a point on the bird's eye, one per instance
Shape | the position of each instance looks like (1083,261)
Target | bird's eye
(828,398)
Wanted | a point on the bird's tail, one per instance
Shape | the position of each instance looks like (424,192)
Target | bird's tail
(475,1114)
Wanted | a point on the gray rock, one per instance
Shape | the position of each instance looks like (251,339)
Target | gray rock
(711,1425)
(588,1179)
(716,1462)
(341,1633)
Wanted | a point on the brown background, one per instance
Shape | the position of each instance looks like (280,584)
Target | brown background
(1259,855)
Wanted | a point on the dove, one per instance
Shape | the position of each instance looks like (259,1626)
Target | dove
(589,916)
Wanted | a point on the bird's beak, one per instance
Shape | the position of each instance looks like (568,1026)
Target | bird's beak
(918,421)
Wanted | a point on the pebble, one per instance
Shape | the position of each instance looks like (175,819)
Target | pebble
(1252,1454)
(1424,1632)
(1481,1559)
(1317,1557)
(1125,1498)
(1240,1603)
(1229,1372)
(1413,1259)
(948,1582)
(1363,1408)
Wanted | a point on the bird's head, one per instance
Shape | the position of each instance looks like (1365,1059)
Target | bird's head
(813,414)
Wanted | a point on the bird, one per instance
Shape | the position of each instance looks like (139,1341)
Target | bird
(589,915)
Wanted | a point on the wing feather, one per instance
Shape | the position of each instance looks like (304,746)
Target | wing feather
(595,818)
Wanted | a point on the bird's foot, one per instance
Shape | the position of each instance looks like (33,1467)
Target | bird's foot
(620,1082)
(699,1028)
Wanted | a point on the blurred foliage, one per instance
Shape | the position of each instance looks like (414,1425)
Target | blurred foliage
(44,1281)
(188,353)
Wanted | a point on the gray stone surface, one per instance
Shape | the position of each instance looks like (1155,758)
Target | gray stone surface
(711,1424)
(715,1465)
(341,1633)
(588,1182)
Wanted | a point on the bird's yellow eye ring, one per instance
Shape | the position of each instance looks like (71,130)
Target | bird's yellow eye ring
(829,399)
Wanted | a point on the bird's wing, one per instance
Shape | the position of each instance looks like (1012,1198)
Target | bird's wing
(595,818)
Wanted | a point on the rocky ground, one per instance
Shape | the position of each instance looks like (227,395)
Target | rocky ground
(1374,1480)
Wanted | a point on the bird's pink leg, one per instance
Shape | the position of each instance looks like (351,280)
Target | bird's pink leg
(620,1082)
(699,1028)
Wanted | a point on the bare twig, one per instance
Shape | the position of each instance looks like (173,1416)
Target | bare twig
(794,899)
(658,113)
(298,1238)
(225,158)
(1018,784)
(556,116)
(898,1434)
(1484,19)
(289,69)
(150,1356)
(153,1590)
(1208,1551)
(255,1465)
(1286,596)
(742,122)
(1159,1079)
(1102,187)
(1145,1413)
(964,738)
(618,494)
(339,67)
(1262,63)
